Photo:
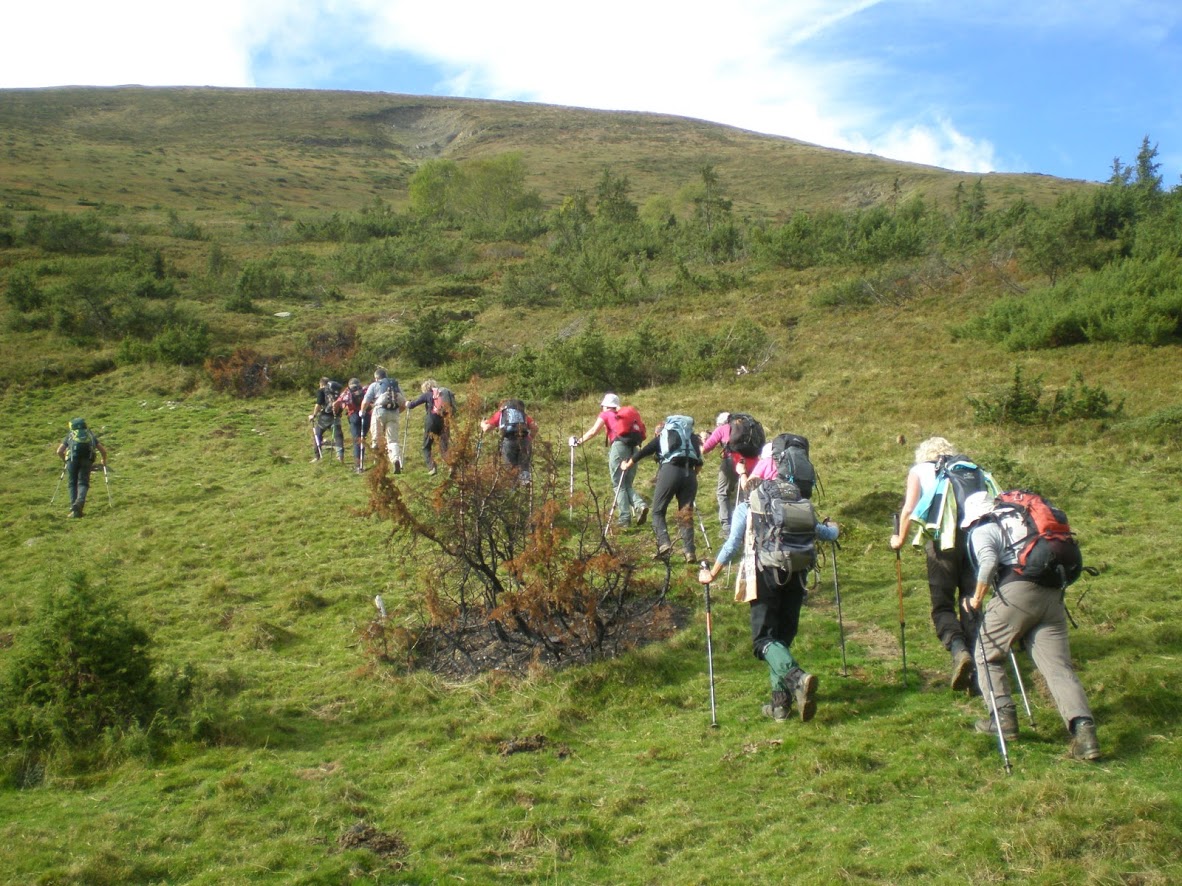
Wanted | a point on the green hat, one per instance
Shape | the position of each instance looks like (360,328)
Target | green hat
(77,424)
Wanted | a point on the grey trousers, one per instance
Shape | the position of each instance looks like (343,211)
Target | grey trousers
(1021,610)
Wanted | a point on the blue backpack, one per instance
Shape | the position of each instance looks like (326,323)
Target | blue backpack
(677,440)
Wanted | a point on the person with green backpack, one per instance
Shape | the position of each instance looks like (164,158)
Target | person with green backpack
(78,451)
(679,451)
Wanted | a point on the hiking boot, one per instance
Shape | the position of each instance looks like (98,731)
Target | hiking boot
(690,557)
(662,553)
(780,708)
(1009,724)
(804,691)
(641,515)
(397,466)
(432,472)
(1084,744)
(962,671)
(314,459)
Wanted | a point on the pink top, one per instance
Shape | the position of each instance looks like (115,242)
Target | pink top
(721,434)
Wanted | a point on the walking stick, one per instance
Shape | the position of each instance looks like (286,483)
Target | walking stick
(1001,739)
(107,483)
(840,624)
(316,438)
(615,498)
(710,650)
(902,615)
(405,429)
(1021,687)
(572,481)
(58,488)
(705,534)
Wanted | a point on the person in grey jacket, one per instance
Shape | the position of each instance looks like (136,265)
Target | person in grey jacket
(1031,613)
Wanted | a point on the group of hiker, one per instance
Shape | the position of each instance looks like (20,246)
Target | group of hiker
(976,538)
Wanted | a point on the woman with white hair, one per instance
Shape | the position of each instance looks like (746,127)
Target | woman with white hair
(951,578)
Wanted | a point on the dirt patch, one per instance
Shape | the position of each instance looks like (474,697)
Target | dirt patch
(364,836)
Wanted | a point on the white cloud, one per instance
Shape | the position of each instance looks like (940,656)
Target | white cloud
(124,41)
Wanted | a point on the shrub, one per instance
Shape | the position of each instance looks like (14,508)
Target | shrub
(1021,403)
(80,668)
(67,233)
(243,373)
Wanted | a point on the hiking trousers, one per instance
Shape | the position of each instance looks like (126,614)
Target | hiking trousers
(682,482)
(358,428)
(775,619)
(516,452)
(78,483)
(325,421)
(724,491)
(951,578)
(1024,611)
(434,428)
(384,429)
(627,501)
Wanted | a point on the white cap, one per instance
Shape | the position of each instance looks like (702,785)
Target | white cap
(976,506)
(610,401)
(721,419)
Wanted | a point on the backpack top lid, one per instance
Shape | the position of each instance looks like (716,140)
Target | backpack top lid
(746,435)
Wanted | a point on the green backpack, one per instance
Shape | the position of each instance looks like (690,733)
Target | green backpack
(80,445)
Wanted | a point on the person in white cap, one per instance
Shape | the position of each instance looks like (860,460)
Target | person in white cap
(625,433)
(1026,612)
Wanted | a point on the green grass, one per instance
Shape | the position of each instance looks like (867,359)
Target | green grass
(253,566)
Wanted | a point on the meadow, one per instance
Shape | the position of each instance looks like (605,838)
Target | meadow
(302,757)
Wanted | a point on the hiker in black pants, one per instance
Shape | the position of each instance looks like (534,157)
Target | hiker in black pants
(435,422)
(324,416)
(349,404)
(680,454)
(518,431)
(78,451)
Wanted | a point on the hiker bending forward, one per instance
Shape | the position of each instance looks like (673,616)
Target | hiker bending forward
(726,486)
(349,404)
(623,442)
(1022,611)
(77,451)
(775,597)
(436,420)
(951,576)
(517,431)
(677,476)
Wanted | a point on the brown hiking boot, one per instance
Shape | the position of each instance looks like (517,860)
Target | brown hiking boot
(780,708)
(662,553)
(806,689)
(1084,744)
(962,671)
(1009,724)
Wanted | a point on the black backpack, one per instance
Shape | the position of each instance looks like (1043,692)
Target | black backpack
(513,423)
(959,477)
(791,454)
(784,525)
(81,446)
(746,435)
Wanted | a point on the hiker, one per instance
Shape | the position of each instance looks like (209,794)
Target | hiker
(517,431)
(1022,611)
(440,404)
(776,560)
(324,416)
(77,451)
(679,451)
(727,484)
(349,403)
(625,432)
(951,578)
(383,401)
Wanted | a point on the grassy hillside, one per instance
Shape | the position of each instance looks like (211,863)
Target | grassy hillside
(253,572)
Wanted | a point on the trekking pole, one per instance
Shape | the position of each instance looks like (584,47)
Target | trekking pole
(1001,739)
(902,616)
(58,488)
(705,534)
(710,650)
(1021,687)
(572,481)
(107,483)
(316,437)
(840,624)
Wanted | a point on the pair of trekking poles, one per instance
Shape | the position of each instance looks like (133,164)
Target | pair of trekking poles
(106,482)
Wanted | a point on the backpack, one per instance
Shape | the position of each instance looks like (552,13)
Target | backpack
(746,435)
(332,391)
(791,454)
(677,441)
(444,402)
(956,479)
(630,418)
(513,423)
(1045,549)
(784,525)
(390,394)
(80,446)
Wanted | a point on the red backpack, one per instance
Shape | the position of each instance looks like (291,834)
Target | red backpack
(627,417)
(1046,551)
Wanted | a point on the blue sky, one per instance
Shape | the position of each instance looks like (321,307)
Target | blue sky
(1059,87)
